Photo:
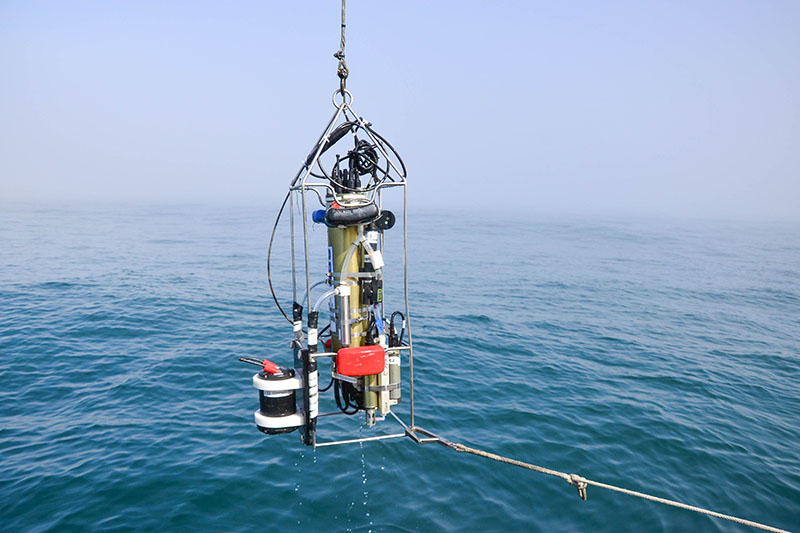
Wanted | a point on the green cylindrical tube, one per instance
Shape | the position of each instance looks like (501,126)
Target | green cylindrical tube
(394,377)
(370,398)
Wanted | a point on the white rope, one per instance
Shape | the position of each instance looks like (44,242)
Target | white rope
(687,507)
(581,483)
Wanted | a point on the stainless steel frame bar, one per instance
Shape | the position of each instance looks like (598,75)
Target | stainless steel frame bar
(353,441)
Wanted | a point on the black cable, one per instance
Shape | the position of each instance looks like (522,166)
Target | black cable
(336,396)
(351,397)
(335,136)
(336,391)
(394,338)
(269,255)
(372,330)
(324,175)
(383,140)
(329,385)
(341,185)
(363,158)
(360,153)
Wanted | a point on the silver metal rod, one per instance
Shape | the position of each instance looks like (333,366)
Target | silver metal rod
(291,231)
(400,421)
(332,413)
(325,132)
(305,245)
(348,379)
(366,439)
(383,251)
(313,185)
(338,275)
(317,154)
(405,295)
(322,354)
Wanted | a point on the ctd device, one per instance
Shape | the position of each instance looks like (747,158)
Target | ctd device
(339,317)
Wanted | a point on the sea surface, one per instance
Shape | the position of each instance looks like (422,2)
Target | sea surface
(661,355)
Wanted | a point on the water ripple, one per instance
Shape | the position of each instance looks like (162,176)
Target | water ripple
(660,356)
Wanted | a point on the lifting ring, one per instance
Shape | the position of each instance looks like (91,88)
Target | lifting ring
(346,96)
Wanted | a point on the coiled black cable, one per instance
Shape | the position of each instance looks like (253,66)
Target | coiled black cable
(394,338)
(348,399)
(335,136)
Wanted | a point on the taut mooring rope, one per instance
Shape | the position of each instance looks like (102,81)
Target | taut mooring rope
(581,483)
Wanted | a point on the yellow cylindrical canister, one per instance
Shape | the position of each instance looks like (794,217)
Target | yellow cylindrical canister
(340,240)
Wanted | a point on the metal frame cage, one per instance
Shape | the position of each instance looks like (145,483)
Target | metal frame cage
(313,183)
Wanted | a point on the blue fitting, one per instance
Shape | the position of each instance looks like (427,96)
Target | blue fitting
(318,216)
(376,312)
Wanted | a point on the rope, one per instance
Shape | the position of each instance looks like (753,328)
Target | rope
(342,69)
(582,483)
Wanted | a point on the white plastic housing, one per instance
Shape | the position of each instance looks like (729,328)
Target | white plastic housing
(278,384)
(278,422)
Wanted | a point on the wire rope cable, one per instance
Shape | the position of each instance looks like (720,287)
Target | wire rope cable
(342,71)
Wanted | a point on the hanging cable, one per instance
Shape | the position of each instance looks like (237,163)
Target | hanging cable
(395,338)
(269,256)
(342,69)
(330,383)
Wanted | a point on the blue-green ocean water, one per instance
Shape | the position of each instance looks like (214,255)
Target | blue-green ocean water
(660,355)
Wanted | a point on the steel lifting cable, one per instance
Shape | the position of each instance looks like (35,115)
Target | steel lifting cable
(342,69)
(581,483)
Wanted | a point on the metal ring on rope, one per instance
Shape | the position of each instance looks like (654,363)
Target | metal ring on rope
(345,101)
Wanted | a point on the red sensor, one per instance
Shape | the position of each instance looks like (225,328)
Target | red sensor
(361,360)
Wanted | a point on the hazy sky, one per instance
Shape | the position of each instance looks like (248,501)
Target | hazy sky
(683,107)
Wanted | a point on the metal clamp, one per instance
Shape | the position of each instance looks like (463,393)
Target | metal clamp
(381,388)
(348,379)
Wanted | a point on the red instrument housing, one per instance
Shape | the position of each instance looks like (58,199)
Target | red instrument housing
(360,360)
